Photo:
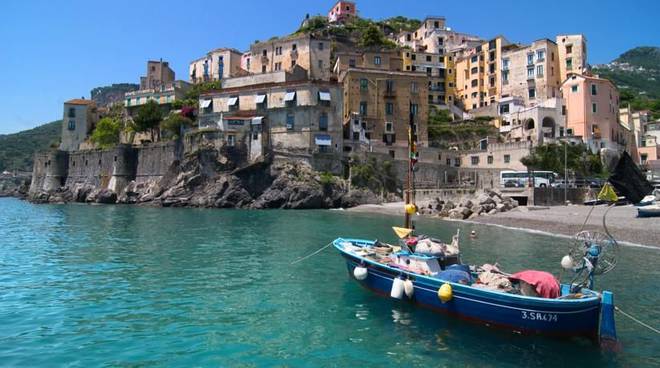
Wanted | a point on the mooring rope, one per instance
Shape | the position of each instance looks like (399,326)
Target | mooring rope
(636,320)
(310,255)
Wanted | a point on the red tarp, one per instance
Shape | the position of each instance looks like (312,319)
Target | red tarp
(544,283)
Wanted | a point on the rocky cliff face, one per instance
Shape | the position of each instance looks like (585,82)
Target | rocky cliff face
(207,178)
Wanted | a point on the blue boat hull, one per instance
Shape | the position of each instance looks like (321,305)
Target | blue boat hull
(577,317)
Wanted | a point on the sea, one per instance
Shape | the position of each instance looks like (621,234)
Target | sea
(128,286)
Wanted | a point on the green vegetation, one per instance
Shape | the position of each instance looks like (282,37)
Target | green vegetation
(191,98)
(580,160)
(173,124)
(378,176)
(398,24)
(17,150)
(313,24)
(466,134)
(106,133)
(148,118)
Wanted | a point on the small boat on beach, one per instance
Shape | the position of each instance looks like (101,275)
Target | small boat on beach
(649,210)
(430,273)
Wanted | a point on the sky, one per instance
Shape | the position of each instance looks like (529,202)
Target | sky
(52,51)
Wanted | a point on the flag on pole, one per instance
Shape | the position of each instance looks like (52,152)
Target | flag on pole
(607,193)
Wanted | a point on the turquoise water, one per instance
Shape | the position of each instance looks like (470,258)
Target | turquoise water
(89,286)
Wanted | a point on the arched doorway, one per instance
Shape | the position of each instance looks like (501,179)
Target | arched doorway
(548,127)
(529,124)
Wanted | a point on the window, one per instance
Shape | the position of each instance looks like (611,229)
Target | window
(491,82)
(574,88)
(428,58)
(490,160)
(377,60)
(448,161)
(414,56)
(569,49)
(389,108)
(530,72)
(290,121)
(320,64)
(593,90)
(364,84)
(505,76)
(563,109)
(321,45)
(263,68)
(294,47)
(569,131)
(540,55)
(429,71)
(504,108)
(539,71)
(413,87)
(413,109)
(293,63)
(474,83)
(491,68)
(278,66)
(530,59)
(264,53)
(507,159)
(569,63)
(491,56)
(457,161)
(389,86)
(351,63)
(474,70)
(231,140)
(278,50)
(72,112)
(323,122)
(72,125)
(392,153)
(363,108)
(593,107)
(532,93)
(389,127)
(474,160)
(505,64)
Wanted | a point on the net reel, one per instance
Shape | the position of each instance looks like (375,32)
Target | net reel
(591,253)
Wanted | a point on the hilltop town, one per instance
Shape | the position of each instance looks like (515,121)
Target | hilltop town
(320,117)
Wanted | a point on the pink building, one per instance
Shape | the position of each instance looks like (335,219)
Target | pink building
(591,105)
(342,11)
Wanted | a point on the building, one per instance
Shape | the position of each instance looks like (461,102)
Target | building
(434,65)
(218,64)
(158,85)
(434,37)
(79,119)
(342,11)
(592,111)
(379,99)
(158,74)
(300,116)
(283,54)
(478,74)
(572,50)
(541,123)
(531,73)
(635,121)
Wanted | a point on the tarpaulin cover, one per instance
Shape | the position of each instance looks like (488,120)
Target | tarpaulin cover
(629,180)
(457,276)
(544,283)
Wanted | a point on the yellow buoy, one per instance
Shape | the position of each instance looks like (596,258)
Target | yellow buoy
(411,209)
(445,293)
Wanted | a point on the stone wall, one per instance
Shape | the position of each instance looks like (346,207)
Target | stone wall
(106,169)
(155,159)
(49,171)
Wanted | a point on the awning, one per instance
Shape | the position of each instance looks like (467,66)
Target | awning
(323,140)
(206,103)
(257,120)
(233,101)
(290,96)
(261,98)
(324,96)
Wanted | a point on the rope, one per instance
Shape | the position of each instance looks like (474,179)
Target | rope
(605,222)
(588,215)
(310,255)
(636,320)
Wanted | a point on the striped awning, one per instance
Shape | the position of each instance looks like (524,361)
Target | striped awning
(323,140)
(205,104)
(290,96)
(324,96)
(233,101)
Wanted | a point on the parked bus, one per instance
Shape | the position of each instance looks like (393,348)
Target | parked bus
(542,179)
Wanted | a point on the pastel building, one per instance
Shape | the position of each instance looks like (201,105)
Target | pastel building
(80,117)
(540,123)
(216,65)
(572,50)
(434,37)
(342,11)
(591,105)
(283,54)
(158,85)
(478,74)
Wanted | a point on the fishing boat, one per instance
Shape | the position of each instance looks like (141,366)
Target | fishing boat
(649,210)
(433,275)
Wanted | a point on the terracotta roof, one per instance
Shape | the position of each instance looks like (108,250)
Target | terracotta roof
(79,101)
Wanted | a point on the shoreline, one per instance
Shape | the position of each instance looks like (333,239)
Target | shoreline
(559,221)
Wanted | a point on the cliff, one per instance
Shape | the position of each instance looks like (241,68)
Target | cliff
(171,175)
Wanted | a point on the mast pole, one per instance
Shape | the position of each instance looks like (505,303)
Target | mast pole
(412,155)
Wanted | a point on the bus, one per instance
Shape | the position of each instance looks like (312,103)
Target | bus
(520,179)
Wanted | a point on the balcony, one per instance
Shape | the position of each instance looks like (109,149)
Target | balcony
(390,93)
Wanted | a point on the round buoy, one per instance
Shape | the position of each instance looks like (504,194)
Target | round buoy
(397,288)
(567,262)
(445,293)
(411,209)
(409,288)
(360,273)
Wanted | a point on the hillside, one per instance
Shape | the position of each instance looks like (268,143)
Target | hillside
(16,150)
(636,70)
(106,95)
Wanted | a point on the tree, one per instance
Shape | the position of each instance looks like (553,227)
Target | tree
(550,157)
(372,36)
(106,133)
(173,124)
(148,117)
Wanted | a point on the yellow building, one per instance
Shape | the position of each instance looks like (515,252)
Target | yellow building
(478,74)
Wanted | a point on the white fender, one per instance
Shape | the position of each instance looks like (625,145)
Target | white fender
(397,288)
(409,288)
(360,273)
